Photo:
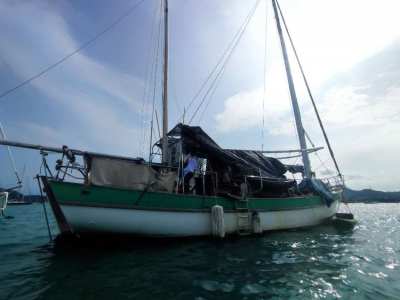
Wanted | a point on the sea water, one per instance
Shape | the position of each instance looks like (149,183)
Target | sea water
(324,262)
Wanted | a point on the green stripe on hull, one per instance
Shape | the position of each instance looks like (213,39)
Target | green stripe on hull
(67,193)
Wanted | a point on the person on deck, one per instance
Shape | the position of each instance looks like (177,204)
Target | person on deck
(188,171)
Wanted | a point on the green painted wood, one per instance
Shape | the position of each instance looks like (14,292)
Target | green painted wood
(68,193)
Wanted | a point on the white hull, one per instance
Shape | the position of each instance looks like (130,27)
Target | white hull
(86,219)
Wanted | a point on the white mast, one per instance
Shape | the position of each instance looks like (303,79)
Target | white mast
(165,87)
(295,105)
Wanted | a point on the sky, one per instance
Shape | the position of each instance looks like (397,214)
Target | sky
(101,98)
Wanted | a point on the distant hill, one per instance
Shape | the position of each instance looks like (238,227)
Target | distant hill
(33,198)
(371,196)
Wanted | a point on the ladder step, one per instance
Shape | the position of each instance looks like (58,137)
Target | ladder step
(244,232)
(244,221)
(244,225)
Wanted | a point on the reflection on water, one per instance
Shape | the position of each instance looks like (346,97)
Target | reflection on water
(323,262)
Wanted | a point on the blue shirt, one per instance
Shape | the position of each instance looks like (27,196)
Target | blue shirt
(191,166)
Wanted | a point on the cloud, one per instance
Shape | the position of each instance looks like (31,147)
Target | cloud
(352,106)
(244,110)
(365,134)
(52,40)
(112,137)
(97,97)
(346,32)
(360,110)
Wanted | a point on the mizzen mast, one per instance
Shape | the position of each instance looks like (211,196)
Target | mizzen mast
(165,87)
(293,96)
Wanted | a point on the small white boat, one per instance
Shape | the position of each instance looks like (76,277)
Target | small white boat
(3,202)
(4,196)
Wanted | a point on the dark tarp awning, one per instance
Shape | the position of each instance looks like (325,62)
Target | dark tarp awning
(240,162)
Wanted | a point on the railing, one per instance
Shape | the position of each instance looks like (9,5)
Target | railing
(334,183)
(261,179)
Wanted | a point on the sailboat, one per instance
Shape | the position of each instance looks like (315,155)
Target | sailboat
(6,194)
(233,191)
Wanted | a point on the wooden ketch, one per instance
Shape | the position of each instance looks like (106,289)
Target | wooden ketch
(236,191)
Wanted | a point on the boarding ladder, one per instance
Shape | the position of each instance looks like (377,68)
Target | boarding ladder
(243,214)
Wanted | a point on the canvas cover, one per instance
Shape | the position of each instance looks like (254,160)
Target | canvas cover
(128,174)
(238,162)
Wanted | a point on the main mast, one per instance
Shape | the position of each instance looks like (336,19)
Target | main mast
(293,96)
(165,87)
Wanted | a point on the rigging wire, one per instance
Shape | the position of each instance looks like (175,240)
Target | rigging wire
(148,76)
(217,81)
(151,60)
(227,58)
(175,97)
(158,126)
(322,163)
(219,62)
(77,50)
(171,78)
(211,90)
(265,77)
(309,92)
(220,75)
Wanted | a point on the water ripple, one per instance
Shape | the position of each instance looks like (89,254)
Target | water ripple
(325,262)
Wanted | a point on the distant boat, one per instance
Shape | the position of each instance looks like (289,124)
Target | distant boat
(232,191)
(3,202)
(19,201)
(10,196)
